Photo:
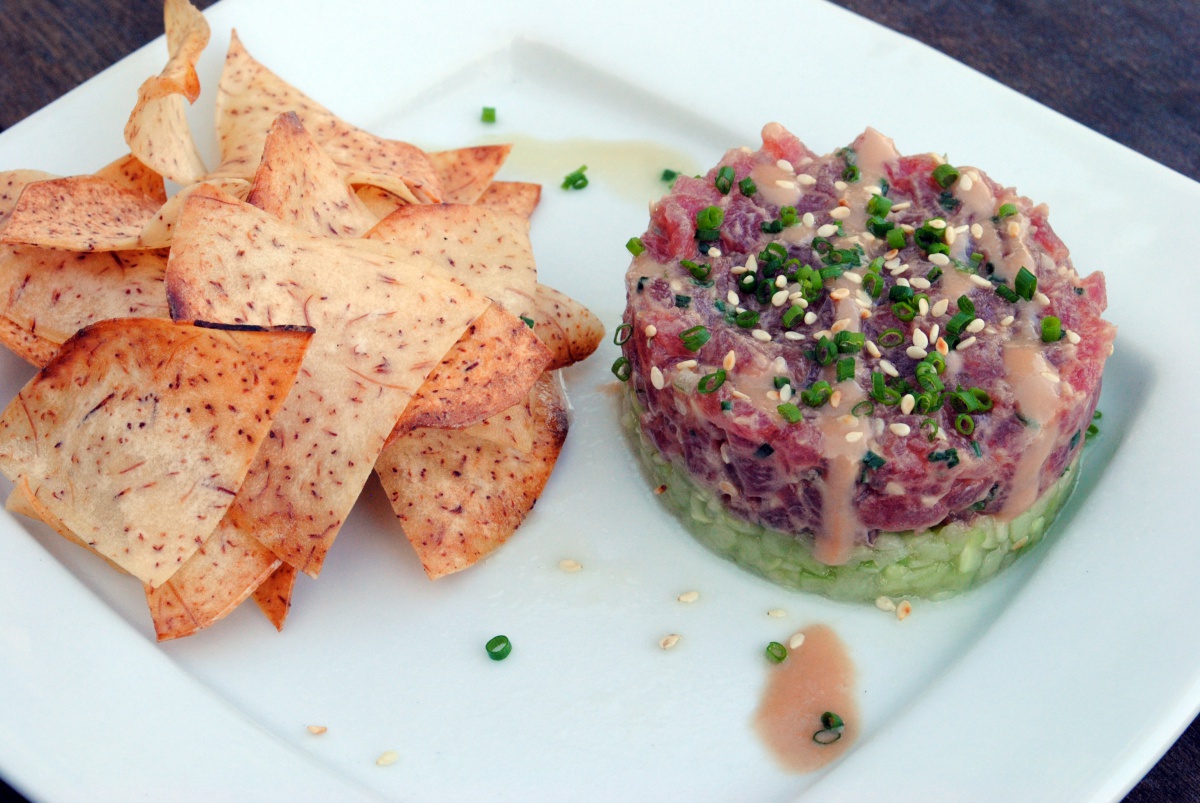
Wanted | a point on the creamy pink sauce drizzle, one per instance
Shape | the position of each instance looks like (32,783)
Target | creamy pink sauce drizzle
(816,677)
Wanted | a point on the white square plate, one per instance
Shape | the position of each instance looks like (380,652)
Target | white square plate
(1062,680)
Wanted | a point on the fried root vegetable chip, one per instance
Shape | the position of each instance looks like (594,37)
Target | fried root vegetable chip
(568,328)
(129,173)
(459,497)
(518,197)
(137,435)
(160,231)
(298,183)
(489,249)
(465,173)
(383,320)
(24,501)
(220,576)
(249,99)
(379,202)
(157,131)
(79,213)
(11,184)
(489,369)
(274,596)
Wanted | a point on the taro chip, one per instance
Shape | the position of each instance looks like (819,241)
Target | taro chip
(79,213)
(249,99)
(160,231)
(298,183)
(129,173)
(274,596)
(459,497)
(465,173)
(518,197)
(137,435)
(157,132)
(11,184)
(379,202)
(383,320)
(570,330)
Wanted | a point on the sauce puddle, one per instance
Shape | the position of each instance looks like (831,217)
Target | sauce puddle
(815,678)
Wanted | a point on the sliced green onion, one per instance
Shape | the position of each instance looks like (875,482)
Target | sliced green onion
(873,284)
(948,202)
(825,352)
(1096,416)
(1007,293)
(498,648)
(1092,431)
(831,720)
(878,226)
(776,652)
(896,238)
(945,175)
(622,334)
(790,412)
(670,175)
(900,292)
(528,321)
(724,180)
(792,315)
(710,218)
(575,180)
(891,337)
(788,216)
(845,369)
(747,186)
(930,426)
(1006,210)
(881,393)
(694,338)
(747,319)
(964,424)
(1051,329)
(747,282)
(977,449)
(683,302)
(878,205)
(934,274)
(816,394)
(710,382)
(698,271)
(958,323)
(771,226)
(904,311)
(950,456)
(489,114)
(863,408)
(727,405)
(635,247)
(1025,283)
(873,461)
(966,305)
(621,369)
(849,342)
(780,381)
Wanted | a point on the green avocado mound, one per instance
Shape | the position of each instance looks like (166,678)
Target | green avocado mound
(935,564)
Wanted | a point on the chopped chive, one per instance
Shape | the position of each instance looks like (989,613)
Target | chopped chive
(576,180)
(978,450)
(620,336)
(710,382)
(816,394)
(1007,293)
(904,311)
(528,321)
(498,648)
(683,302)
(747,319)
(966,305)
(694,338)
(878,206)
(1006,210)
(863,408)
(489,114)
(621,369)
(776,652)
(635,246)
(931,426)
(724,180)
(727,405)
(670,175)
(698,271)
(950,456)
(891,337)
(873,284)
(791,315)
(849,342)
(788,216)
(964,424)
(896,238)
(1051,329)
(1092,431)
(945,175)
(747,186)
(1025,283)
(873,461)
(790,412)
(1096,416)
(710,218)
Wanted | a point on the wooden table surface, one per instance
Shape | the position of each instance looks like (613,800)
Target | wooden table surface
(1128,69)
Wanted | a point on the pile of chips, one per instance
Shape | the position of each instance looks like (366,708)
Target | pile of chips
(221,371)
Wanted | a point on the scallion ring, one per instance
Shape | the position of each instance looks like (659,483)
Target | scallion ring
(710,382)
(623,333)
(621,369)
(498,648)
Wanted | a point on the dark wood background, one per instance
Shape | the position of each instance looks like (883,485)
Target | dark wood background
(1129,69)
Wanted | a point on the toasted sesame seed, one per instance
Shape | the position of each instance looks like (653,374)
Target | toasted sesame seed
(805,180)
(793,336)
(780,297)
(854,437)
(1014,228)
(835,399)
(777,613)
(651,330)
(839,293)
(569,565)
(923,306)
(686,365)
(796,641)
(1041,298)
(976,326)
(852,277)
(781,281)
(689,596)
(668,641)
(726,487)
(887,367)
(660,490)
(965,183)
(942,347)
(785,184)
(900,207)
(936,223)
(872,349)
(1007,320)
(828,230)
(752,263)
(714,252)
(730,360)
(387,758)
(919,283)
(808,219)
(939,307)
(810,318)
(907,403)
(965,344)
(976,230)
(317,730)
(885,604)
(916,352)
(903,610)
(785,166)
(1073,338)
(979,281)
(761,335)
(939,259)
(839,212)
(840,325)
(657,379)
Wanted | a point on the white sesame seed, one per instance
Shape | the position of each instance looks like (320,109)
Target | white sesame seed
(1073,338)
(916,352)
(920,283)
(810,318)
(976,230)
(730,360)
(785,166)
(737,394)
(738,270)
(963,229)
(900,429)
(777,613)
(796,641)
(840,325)
(821,334)
(839,212)
(923,306)
(808,219)
(656,378)
(1041,298)
(854,437)
(1053,377)
(835,399)
(726,487)
(847,420)
(840,293)
(725,458)
(1007,320)
(668,641)
(903,610)
(872,349)
(939,259)
(651,330)
(904,282)
(907,403)
(979,281)
(951,235)
(793,336)
(840,185)
(785,184)
(885,604)
(714,252)
(900,207)
(852,277)
(887,367)
(689,596)
(785,393)
(937,223)
(779,365)
(933,333)
(805,180)
(676,285)
(686,365)
(387,758)
(761,335)
(939,307)
(1014,228)
(976,326)
(920,340)
(828,230)
(779,298)
(966,184)
(569,565)
(317,730)
(892,263)
(899,269)
(781,281)
(733,298)
(966,344)
(752,263)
